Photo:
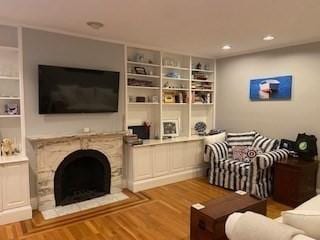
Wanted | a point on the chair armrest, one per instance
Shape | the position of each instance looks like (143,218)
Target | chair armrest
(266,160)
(216,151)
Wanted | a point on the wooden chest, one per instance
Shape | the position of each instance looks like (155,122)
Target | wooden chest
(209,222)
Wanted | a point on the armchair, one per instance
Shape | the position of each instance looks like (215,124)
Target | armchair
(254,176)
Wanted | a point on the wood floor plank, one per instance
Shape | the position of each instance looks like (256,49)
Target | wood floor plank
(162,213)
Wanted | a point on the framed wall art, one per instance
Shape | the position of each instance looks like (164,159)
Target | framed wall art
(273,88)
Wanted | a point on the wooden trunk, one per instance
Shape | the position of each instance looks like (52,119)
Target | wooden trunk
(209,223)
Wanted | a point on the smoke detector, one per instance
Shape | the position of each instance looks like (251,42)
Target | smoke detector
(95,25)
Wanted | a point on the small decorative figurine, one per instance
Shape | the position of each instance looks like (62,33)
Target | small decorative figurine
(7,148)
(11,108)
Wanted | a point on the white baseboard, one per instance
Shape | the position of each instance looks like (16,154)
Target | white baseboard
(34,203)
(15,215)
(163,180)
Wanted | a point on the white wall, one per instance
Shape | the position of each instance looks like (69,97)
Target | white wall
(40,47)
(278,119)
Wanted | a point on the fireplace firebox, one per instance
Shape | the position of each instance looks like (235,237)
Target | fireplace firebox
(82,175)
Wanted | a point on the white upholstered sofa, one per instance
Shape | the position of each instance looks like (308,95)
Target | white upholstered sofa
(301,223)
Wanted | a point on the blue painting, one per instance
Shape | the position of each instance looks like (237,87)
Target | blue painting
(274,88)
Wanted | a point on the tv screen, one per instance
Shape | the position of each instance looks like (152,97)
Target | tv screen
(74,90)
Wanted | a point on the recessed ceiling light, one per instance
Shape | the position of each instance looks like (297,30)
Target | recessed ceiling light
(95,25)
(226,47)
(268,38)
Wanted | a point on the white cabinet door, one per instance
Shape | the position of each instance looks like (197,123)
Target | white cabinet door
(142,162)
(193,154)
(15,185)
(161,161)
(1,182)
(198,152)
(177,156)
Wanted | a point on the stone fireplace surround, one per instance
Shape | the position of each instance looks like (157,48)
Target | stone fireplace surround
(52,150)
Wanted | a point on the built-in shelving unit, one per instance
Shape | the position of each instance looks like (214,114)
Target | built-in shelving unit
(14,169)
(11,90)
(168,86)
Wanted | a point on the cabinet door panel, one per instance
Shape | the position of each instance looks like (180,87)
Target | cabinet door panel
(177,157)
(1,183)
(142,165)
(15,189)
(161,163)
(198,152)
(193,154)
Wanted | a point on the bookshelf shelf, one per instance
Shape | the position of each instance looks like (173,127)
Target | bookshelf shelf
(182,68)
(143,64)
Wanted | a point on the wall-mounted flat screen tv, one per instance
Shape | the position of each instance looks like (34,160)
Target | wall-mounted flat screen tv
(74,90)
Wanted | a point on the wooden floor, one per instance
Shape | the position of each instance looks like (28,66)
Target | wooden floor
(157,214)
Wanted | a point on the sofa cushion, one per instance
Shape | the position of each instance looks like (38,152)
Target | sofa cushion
(306,220)
(253,226)
(264,143)
(220,137)
(312,204)
(241,139)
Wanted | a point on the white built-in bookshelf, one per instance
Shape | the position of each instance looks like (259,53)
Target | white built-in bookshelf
(12,126)
(14,169)
(168,86)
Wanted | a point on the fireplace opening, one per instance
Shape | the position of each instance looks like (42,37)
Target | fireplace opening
(82,175)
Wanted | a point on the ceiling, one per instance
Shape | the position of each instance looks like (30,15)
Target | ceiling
(196,27)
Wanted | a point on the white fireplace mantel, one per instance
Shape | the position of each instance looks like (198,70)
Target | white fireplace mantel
(39,139)
(52,150)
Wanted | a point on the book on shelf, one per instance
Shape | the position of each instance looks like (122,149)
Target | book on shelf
(132,139)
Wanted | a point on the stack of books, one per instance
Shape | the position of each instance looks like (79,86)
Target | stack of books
(132,139)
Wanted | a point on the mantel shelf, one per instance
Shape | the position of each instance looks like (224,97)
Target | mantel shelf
(65,137)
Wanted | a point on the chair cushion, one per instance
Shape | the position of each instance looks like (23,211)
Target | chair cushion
(306,220)
(264,143)
(238,167)
(241,139)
